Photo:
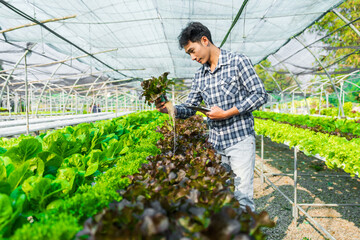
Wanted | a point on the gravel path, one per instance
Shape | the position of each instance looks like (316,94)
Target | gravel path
(342,222)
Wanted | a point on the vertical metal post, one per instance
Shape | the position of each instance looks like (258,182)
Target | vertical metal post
(327,99)
(45,105)
(50,100)
(106,100)
(63,101)
(125,107)
(320,99)
(341,110)
(344,99)
(26,97)
(76,103)
(46,84)
(93,103)
(8,100)
(16,103)
(295,209)
(140,105)
(117,102)
(71,103)
(297,82)
(173,94)
(262,161)
(341,96)
(30,100)
(12,71)
(293,103)
(272,77)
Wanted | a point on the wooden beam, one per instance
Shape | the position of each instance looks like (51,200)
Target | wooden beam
(72,76)
(81,85)
(112,87)
(34,24)
(60,61)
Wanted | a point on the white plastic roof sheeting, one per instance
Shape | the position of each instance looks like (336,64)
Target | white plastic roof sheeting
(145,32)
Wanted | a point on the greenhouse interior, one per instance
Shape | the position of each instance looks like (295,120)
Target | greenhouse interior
(180,119)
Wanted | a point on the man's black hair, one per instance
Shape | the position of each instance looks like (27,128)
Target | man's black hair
(193,32)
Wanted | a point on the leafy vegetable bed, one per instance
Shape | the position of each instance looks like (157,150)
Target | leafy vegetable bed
(184,195)
(339,127)
(338,151)
(51,183)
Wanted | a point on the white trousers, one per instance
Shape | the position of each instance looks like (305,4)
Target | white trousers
(240,158)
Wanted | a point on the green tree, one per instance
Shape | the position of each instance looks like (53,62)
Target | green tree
(344,43)
(282,79)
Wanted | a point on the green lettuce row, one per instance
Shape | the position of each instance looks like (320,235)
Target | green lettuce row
(64,222)
(338,151)
(84,200)
(320,123)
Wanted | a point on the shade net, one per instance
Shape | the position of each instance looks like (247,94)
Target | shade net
(144,33)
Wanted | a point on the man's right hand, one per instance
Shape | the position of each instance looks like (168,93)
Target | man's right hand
(160,106)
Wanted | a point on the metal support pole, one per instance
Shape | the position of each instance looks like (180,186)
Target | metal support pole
(344,98)
(295,207)
(106,101)
(117,102)
(75,83)
(327,99)
(327,74)
(63,101)
(50,100)
(11,73)
(293,103)
(31,101)
(341,96)
(125,107)
(46,84)
(71,103)
(26,97)
(173,94)
(262,161)
(342,17)
(93,103)
(46,104)
(16,103)
(8,100)
(76,103)
(271,76)
(320,100)
(297,82)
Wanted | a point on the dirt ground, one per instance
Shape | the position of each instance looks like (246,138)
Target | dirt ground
(343,222)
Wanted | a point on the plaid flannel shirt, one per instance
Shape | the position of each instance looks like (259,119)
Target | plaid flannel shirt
(233,82)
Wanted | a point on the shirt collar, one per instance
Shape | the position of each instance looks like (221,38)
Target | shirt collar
(223,60)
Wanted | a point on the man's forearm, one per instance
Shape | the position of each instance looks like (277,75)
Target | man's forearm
(231,112)
(183,112)
(252,102)
(217,113)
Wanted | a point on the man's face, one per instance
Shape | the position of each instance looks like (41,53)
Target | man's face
(198,51)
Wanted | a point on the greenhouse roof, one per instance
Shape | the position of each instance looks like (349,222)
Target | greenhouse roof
(140,37)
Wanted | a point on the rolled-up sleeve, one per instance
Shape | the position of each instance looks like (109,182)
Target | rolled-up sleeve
(194,99)
(257,95)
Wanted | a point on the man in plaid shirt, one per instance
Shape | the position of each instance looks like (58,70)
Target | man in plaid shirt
(228,83)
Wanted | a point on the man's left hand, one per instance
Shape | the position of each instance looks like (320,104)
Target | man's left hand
(217,113)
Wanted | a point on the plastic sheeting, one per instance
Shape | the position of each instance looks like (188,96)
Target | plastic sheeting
(145,32)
